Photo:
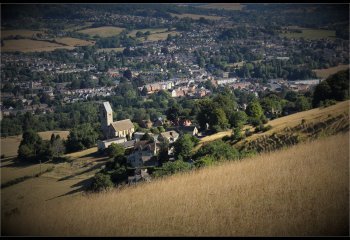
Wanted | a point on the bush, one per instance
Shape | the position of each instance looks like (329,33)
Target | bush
(204,161)
(115,150)
(173,167)
(218,150)
(254,121)
(327,103)
(101,182)
(248,133)
(267,128)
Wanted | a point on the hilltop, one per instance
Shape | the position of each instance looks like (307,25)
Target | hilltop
(292,192)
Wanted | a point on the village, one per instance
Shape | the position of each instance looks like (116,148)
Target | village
(140,151)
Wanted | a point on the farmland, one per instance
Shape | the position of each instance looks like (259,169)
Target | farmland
(75,42)
(21,32)
(324,73)
(293,192)
(28,45)
(312,34)
(102,31)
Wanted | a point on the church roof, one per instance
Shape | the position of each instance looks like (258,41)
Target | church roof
(125,124)
(107,106)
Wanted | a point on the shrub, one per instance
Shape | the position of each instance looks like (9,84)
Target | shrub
(173,167)
(204,161)
(267,128)
(101,182)
(248,133)
(218,150)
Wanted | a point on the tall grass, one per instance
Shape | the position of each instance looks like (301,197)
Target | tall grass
(300,191)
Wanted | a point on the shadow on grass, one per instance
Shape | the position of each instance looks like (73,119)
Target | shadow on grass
(97,166)
(81,186)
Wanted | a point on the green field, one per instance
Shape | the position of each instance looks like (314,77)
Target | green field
(107,31)
(312,34)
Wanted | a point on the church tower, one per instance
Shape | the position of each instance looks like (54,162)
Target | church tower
(106,115)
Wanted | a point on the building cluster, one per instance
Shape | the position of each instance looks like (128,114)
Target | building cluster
(141,152)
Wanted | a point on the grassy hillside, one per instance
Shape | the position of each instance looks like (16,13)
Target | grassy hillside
(300,191)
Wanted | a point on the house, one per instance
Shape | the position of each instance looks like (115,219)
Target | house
(146,124)
(143,154)
(123,128)
(138,136)
(171,136)
(101,145)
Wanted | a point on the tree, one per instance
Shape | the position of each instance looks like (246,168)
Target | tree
(101,182)
(335,87)
(127,74)
(183,147)
(81,137)
(57,145)
(254,109)
(238,118)
(163,151)
(302,104)
(219,121)
(173,114)
(33,148)
(115,150)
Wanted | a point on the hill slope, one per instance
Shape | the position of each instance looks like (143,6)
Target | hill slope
(293,192)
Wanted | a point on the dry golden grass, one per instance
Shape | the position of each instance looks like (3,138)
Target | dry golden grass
(28,45)
(226,6)
(74,42)
(107,31)
(20,32)
(196,16)
(294,192)
(9,145)
(325,73)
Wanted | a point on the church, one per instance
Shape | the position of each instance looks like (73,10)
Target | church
(119,129)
